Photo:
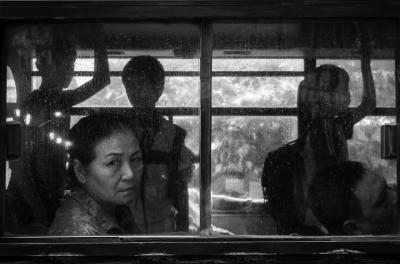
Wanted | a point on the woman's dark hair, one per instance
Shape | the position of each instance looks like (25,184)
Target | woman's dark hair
(146,67)
(89,131)
(331,197)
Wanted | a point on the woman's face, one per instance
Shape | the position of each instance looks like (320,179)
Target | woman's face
(114,176)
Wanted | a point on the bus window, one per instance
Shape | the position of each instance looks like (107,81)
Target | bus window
(334,82)
(120,76)
(290,103)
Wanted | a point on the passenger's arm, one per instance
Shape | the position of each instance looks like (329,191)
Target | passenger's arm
(101,76)
(182,201)
(368,103)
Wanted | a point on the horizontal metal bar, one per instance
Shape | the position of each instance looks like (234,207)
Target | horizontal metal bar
(253,111)
(198,246)
(257,73)
(196,73)
(280,111)
(194,111)
(166,111)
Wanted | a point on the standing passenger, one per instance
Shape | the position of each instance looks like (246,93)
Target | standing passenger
(326,123)
(167,161)
(37,185)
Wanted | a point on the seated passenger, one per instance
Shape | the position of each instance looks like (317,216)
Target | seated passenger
(167,160)
(36,187)
(326,123)
(106,169)
(350,199)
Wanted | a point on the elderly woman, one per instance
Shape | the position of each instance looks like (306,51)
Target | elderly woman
(106,169)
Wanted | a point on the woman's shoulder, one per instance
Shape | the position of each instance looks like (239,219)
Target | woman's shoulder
(72,219)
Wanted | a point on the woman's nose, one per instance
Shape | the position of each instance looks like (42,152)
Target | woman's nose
(127,171)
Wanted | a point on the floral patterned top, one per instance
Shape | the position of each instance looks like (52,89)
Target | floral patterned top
(80,215)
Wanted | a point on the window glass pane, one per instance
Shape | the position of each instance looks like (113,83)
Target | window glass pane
(192,126)
(239,146)
(81,174)
(255,91)
(258,64)
(178,91)
(365,146)
(384,80)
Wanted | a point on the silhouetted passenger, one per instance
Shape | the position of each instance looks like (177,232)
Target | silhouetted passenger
(167,160)
(325,122)
(38,179)
(106,170)
(348,198)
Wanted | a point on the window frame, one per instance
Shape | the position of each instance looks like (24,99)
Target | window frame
(10,13)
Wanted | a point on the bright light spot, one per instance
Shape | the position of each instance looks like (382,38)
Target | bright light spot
(68,144)
(57,114)
(59,140)
(52,136)
(28,119)
(17,112)
(67,165)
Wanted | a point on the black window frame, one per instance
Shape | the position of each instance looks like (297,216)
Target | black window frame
(206,12)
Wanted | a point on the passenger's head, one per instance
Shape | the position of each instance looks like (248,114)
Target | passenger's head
(143,78)
(327,87)
(55,60)
(106,158)
(349,198)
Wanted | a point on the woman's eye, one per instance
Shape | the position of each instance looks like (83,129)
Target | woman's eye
(113,163)
(136,159)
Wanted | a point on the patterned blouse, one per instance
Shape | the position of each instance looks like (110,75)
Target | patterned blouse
(81,215)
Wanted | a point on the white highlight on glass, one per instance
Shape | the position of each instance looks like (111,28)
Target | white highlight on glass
(28,119)
(17,112)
